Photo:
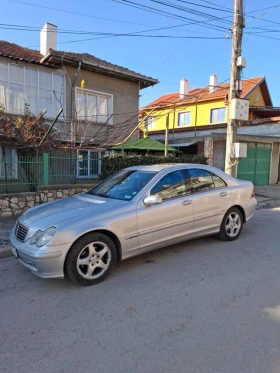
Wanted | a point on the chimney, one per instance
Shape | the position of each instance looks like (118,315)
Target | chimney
(48,37)
(184,88)
(213,83)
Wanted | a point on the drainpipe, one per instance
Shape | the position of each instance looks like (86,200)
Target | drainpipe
(195,117)
(72,95)
(174,122)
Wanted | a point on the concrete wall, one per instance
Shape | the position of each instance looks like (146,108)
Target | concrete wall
(125,96)
(256,97)
(270,129)
(203,114)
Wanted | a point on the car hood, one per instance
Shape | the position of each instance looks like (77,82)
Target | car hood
(65,209)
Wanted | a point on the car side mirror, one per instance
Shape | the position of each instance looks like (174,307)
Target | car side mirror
(153,200)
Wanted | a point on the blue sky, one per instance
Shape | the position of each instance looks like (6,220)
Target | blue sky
(168,60)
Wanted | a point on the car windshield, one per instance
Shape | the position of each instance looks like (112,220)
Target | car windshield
(124,185)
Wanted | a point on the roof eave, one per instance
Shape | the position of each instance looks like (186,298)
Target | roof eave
(176,103)
(99,68)
(257,85)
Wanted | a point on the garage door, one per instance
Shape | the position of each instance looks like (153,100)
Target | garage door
(219,156)
(256,167)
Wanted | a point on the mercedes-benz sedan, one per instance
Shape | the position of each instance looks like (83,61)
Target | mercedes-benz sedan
(134,211)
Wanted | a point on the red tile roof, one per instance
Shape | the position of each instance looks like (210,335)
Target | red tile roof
(53,59)
(16,52)
(203,94)
(92,63)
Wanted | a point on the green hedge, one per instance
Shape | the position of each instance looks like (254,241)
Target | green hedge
(110,165)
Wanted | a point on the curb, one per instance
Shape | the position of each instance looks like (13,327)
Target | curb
(5,253)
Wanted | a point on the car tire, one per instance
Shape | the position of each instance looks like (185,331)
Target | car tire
(90,259)
(232,225)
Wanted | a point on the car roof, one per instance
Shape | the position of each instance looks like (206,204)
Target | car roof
(168,166)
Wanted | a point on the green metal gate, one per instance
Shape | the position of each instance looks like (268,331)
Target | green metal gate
(256,167)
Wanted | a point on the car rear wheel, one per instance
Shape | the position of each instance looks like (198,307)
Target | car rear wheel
(232,225)
(90,259)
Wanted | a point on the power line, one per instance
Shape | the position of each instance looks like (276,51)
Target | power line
(77,13)
(169,15)
(125,34)
(205,6)
(190,10)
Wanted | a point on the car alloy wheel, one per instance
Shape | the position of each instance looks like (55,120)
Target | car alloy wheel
(233,224)
(90,259)
(94,260)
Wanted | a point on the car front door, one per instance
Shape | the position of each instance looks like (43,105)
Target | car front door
(170,220)
(210,199)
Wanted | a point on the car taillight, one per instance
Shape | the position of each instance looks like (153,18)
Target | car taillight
(253,193)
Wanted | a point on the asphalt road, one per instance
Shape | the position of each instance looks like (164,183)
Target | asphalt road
(199,307)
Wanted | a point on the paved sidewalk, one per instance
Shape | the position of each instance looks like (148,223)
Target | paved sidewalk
(268,196)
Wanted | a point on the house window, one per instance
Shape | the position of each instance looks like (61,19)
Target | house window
(150,123)
(88,163)
(184,119)
(218,115)
(40,90)
(93,106)
(8,162)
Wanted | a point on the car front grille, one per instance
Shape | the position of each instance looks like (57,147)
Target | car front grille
(21,232)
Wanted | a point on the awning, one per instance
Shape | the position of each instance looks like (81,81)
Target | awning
(143,144)
(183,144)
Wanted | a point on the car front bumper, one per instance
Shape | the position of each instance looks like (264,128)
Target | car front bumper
(45,264)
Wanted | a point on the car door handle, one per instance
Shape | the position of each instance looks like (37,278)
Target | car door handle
(223,194)
(186,202)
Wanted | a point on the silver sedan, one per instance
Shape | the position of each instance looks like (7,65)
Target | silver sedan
(138,209)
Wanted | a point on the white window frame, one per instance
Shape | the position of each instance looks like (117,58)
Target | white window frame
(98,94)
(152,124)
(178,120)
(88,176)
(217,108)
(8,80)
(15,163)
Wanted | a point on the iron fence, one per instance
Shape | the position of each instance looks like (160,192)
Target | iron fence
(22,173)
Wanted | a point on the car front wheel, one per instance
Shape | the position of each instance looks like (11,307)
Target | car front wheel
(90,259)
(232,225)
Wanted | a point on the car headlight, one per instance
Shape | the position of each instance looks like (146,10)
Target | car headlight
(41,238)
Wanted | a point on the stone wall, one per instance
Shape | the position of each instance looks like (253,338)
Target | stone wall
(16,204)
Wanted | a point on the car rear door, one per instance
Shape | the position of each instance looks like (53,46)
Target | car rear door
(210,198)
(173,218)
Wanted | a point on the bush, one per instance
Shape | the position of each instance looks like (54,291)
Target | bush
(111,165)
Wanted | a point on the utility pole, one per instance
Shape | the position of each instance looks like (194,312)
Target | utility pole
(166,136)
(235,89)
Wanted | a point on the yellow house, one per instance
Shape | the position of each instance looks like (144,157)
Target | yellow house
(196,120)
(201,106)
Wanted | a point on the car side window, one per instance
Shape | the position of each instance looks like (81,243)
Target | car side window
(200,180)
(171,185)
(218,182)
